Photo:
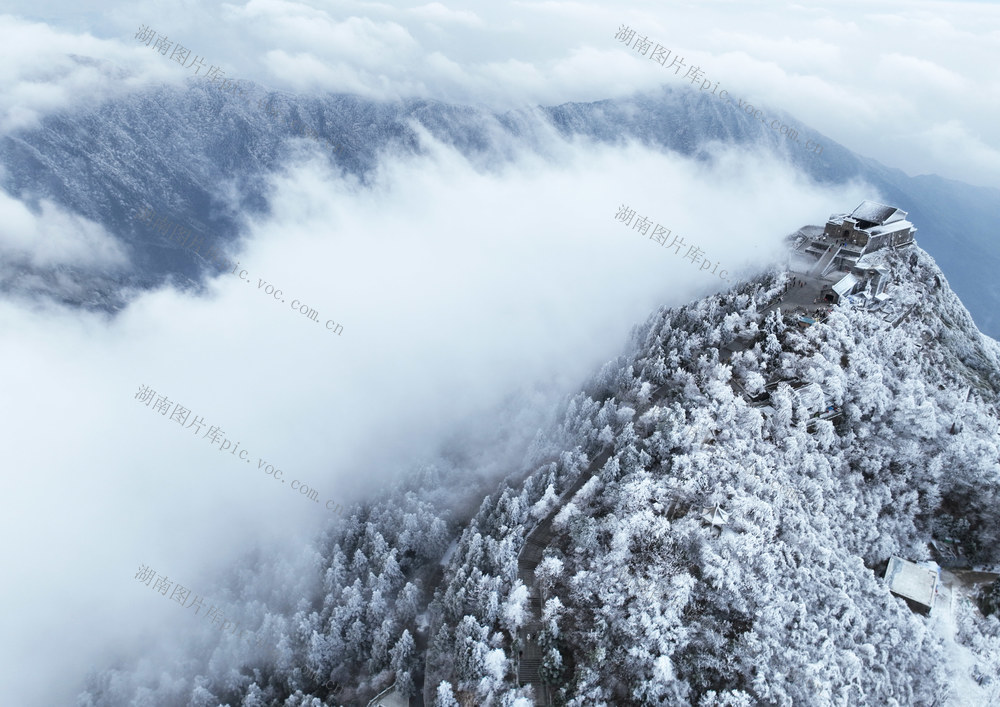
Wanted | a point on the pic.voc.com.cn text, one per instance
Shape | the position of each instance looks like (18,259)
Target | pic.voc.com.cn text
(183,237)
(216,435)
(661,54)
(661,234)
(215,76)
(181,594)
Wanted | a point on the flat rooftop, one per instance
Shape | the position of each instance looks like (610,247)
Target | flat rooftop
(912,581)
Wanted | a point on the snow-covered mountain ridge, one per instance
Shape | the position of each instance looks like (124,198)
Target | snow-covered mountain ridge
(644,603)
(171,149)
(591,575)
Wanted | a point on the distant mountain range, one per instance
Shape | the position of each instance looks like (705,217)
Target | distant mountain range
(169,149)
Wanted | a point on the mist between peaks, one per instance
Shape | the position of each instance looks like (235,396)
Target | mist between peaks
(182,236)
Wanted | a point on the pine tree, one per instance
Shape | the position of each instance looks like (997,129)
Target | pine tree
(445,696)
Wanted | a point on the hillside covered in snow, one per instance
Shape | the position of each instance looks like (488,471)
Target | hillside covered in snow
(106,165)
(708,523)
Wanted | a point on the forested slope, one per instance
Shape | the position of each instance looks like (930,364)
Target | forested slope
(644,603)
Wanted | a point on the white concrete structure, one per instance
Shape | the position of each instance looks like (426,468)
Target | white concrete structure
(715,516)
(916,582)
(389,698)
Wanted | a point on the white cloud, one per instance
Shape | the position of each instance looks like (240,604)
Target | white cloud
(914,73)
(438,13)
(454,285)
(848,69)
(45,70)
(55,237)
(953,142)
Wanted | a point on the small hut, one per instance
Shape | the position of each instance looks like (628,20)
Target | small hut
(715,516)
(915,583)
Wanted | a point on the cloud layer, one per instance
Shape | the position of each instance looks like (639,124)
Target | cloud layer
(909,83)
(53,237)
(454,285)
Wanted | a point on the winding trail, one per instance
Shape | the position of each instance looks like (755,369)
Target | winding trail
(527,560)
(537,540)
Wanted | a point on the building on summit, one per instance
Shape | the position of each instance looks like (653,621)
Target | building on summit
(844,250)
(871,227)
(848,237)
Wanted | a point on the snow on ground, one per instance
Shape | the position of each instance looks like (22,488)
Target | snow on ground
(954,598)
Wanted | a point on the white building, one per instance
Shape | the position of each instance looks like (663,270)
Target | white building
(715,516)
(917,583)
(848,237)
(870,227)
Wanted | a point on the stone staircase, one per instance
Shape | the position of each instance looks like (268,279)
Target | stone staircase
(821,267)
